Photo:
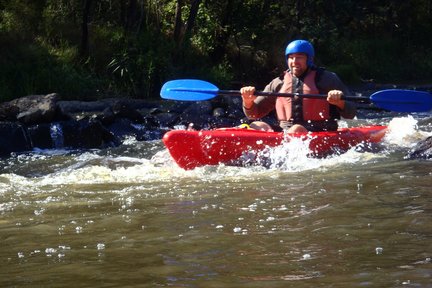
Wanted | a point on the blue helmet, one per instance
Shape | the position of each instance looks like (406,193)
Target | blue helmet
(301,46)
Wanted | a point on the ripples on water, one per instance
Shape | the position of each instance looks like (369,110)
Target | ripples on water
(128,216)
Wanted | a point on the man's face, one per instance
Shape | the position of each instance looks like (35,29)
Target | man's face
(297,63)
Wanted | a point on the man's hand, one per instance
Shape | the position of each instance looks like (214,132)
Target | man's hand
(334,97)
(248,96)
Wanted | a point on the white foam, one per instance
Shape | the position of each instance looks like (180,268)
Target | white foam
(290,157)
(404,132)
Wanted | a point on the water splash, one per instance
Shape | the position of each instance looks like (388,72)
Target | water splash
(292,155)
(403,132)
(295,156)
(142,163)
(57,137)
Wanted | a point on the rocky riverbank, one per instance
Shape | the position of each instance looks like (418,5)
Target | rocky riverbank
(47,122)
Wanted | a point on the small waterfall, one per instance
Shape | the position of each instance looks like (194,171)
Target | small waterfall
(56,132)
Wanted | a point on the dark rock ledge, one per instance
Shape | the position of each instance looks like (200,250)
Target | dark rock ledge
(46,122)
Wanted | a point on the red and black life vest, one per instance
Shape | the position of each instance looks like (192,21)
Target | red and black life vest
(299,109)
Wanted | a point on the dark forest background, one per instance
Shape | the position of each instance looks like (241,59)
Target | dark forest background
(91,49)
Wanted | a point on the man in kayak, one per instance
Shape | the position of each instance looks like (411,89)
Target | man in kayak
(300,114)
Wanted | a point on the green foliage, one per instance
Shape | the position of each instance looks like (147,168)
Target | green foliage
(346,72)
(136,65)
(19,17)
(32,69)
(131,49)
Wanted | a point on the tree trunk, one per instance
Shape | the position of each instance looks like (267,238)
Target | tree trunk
(141,17)
(178,25)
(131,16)
(223,34)
(84,48)
(192,16)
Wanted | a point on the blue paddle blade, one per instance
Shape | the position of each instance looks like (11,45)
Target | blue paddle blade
(188,90)
(400,100)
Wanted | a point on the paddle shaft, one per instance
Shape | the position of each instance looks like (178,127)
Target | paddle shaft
(362,99)
(272,94)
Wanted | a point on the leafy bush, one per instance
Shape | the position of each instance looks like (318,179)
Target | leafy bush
(33,69)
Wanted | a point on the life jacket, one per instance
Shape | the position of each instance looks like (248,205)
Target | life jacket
(300,109)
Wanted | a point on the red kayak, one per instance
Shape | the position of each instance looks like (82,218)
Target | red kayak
(191,149)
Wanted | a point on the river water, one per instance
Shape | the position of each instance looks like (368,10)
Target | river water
(128,217)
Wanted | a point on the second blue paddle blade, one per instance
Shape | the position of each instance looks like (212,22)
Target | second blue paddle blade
(188,90)
(401,100)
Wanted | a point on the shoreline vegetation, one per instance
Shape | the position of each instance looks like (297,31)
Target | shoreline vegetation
(128,49)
